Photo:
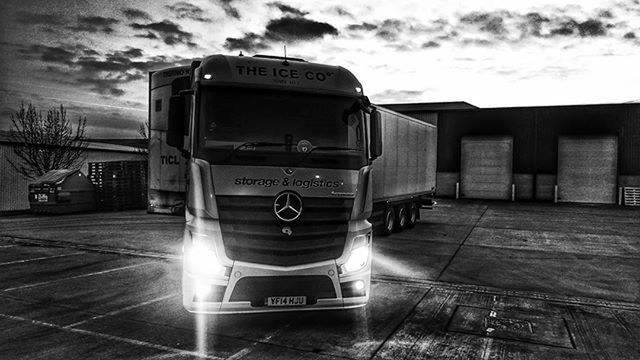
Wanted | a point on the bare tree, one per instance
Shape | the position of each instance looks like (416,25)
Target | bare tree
(45,144)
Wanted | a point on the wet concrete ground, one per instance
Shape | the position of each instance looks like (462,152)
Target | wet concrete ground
(473,280)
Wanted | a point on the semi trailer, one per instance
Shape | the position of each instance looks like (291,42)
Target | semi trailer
(286,167)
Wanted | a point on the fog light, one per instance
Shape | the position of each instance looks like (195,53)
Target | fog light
(359,285)
(204,292)
(353,289)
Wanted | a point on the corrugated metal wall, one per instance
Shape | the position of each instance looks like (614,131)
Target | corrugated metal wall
(587,169)
(486,167)
(14,189)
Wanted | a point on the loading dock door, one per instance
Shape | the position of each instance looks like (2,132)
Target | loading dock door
(587,169)
(486,167)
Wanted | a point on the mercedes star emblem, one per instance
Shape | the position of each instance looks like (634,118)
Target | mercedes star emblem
(288,171)
(287,206)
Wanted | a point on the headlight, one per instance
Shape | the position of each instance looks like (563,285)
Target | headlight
(357,259)
(203,260)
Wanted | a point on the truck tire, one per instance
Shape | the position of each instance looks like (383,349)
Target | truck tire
(388,221)
(413,214)
(401,218)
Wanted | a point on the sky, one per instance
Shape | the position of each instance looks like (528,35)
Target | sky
(94,56)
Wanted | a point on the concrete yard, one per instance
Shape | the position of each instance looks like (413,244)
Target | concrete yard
(473,280)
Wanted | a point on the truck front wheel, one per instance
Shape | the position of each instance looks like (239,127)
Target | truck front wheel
(389,221)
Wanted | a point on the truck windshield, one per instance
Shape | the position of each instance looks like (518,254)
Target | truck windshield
(240,126)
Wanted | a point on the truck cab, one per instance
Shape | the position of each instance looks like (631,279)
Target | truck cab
(279,155)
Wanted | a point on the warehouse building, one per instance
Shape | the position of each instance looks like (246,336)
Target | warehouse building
(581,153)
(14,188)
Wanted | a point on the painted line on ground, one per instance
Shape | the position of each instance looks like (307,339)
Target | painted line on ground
(397,328)
(27,286)
(112,337)
(39,258)
(484,211)
(264,340)
(127,308)
(89,247)
(565,299)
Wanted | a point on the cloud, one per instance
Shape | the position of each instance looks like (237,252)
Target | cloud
(430,44)
(390,29)
(229,9)
(136,14)
(94,24)
(249,42)
(591,27)
(532,24)
(398,95)
(105,86)
(132,52)
(287,9)
(28,18)
(544,24)
(297,29)
(184,10)
(170,32)
(105,75)
(286,28)
(49,54)
(364,26)
(148,35)
(340,11)
(491,22)
(78,65)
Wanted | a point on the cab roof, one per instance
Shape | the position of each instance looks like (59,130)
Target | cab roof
(278,73)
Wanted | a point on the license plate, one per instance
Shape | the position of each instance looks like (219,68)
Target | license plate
(42,197)
(286,301)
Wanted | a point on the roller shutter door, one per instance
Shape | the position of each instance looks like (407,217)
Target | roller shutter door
(587,169)
(486,167)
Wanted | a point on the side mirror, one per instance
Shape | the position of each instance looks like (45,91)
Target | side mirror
(177,119)
(376,134)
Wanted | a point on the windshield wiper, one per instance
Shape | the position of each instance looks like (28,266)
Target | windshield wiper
(306,155)
(250,144)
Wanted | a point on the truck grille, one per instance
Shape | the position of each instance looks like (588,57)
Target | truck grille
(252,233)
(256,289)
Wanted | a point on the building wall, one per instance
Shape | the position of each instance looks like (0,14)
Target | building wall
(536,131)
(14,188)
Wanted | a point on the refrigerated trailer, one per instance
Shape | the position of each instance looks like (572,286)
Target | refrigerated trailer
(288,165)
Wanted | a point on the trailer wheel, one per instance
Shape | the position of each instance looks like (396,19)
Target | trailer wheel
(388,221)
(412,219)
(401,218)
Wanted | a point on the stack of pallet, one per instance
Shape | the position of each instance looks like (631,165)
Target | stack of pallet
(120,185)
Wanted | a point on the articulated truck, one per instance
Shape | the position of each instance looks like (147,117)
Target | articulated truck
(287,167)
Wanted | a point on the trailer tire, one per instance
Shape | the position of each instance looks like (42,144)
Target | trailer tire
(401,218)
(413,214)
(388,220)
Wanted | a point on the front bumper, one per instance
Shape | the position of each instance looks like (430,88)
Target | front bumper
(295,275)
